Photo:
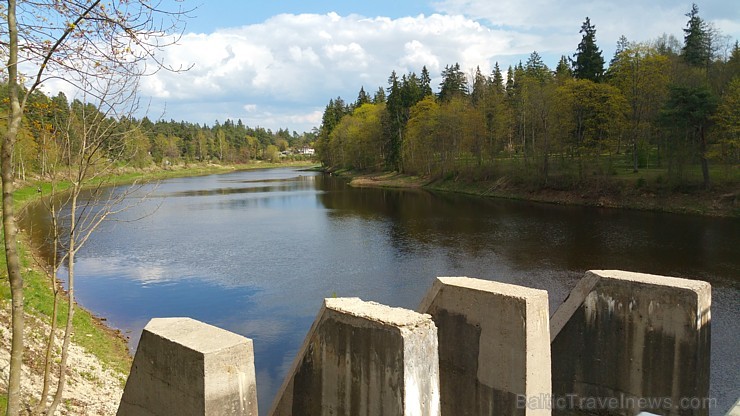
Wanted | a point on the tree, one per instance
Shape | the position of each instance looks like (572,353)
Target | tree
(81,43)
(362,98)
(589,64)
(453,83)
(379,97)
(688,113)
(272,154)
(622,45)
(426,82)
(497,78)
(641,74)
(593,115)
(91,141)
(420,144)
(727,118)
(696,49)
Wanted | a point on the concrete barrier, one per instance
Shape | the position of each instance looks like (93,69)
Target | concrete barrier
(494,346)
(185,367)
(363,358)
(626,342)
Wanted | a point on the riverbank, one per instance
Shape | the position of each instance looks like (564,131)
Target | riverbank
(721,201)
(99,356)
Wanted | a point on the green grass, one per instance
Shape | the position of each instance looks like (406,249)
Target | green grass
(89,333)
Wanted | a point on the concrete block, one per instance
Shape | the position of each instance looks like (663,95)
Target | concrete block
(626,342)
(494,347)
(362,358)
(185,367)
(735,410)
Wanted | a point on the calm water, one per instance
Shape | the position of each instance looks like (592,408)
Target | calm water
(256,252)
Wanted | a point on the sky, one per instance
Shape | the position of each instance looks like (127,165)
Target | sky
(276,64)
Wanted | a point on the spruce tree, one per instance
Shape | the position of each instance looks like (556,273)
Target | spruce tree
(589,64)
(696,39)
(426,82)
(362,98)
(453,83)
(498,78)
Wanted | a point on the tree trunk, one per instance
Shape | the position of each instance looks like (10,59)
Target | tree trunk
(71,250)
(44,396)
(703,158)
(635,159)
(9,221)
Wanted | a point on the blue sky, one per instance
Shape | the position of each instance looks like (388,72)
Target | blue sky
(277,63)
(211,15)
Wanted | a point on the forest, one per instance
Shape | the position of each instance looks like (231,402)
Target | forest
(666,110)
(51,125)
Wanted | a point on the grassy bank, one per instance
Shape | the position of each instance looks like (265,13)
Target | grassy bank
(643,191)
(90,332)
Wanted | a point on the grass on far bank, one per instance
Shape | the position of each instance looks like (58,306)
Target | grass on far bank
(648,189)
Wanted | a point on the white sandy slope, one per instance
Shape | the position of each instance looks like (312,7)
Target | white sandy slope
(91,389)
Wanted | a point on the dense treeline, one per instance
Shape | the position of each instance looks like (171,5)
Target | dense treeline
(660,104)
(51,124)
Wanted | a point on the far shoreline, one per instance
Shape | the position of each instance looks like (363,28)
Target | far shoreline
(713,203)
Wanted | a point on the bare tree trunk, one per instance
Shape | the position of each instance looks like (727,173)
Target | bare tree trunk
(43,398)
(70,305)
(9,221)
(703,158)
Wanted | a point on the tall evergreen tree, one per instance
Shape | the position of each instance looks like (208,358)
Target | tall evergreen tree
(622,45)
(536,68)
(480,87)
(696,49)
(589,64)
(497,78)
(394,106)
(426,82)
(453,82)
(362,98)
(379,97)
(510,80)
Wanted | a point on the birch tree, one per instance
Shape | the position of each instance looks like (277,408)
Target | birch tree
(87,43)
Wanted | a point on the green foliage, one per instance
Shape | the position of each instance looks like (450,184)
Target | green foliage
(727,118)
(454,83)
(557,129)
(697,49)
(589,64)
(49,123)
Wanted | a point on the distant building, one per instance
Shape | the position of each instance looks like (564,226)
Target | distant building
(307,151)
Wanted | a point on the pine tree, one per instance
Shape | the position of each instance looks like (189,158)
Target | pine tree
(589,64)
(510,80)
(622,45)
(696,50)
(480,86)
(498,78)
(536,68)
(563,71)
(379,97)
(453,82)
(426,82)
(362,98)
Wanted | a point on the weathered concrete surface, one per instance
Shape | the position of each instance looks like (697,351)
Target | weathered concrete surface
(735,410)
(363,358)
(642,340)
(185,367)
(494,346)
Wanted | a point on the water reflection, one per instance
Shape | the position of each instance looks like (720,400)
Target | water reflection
(256,252)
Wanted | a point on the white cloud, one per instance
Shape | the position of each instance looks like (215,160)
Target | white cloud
(283,71)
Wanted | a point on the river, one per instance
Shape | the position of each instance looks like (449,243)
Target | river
(256,252)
